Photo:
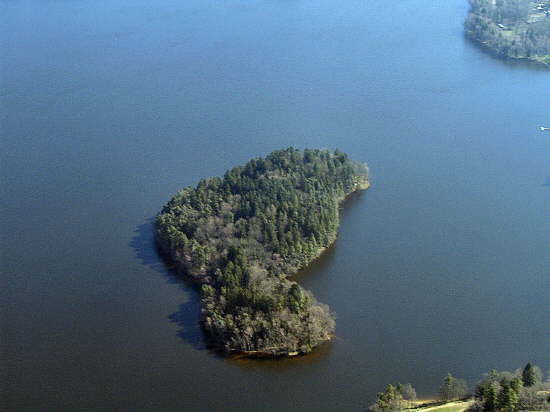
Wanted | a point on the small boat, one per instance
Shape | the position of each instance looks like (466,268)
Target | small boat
(542,129)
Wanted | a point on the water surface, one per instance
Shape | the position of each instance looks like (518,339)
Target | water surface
(109,107)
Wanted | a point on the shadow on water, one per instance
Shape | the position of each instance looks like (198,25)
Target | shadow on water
(547,182)
(327,256)
(187,317)
(283,363)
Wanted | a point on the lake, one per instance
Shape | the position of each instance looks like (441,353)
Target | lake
(108,108)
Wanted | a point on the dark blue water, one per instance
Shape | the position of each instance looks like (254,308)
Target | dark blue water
(109,107)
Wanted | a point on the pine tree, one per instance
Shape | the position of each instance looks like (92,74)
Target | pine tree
(516,384)
(528,375)
(490,396)
(507,400)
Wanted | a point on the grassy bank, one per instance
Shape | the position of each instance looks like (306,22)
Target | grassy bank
(454,406)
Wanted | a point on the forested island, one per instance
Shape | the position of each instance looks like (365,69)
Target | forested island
(515,29)
(242,235)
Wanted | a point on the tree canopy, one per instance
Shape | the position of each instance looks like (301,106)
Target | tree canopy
(518,391)
(530,375)
(521,390)
(241,235)
(452,388)
(395,398)
(512,28)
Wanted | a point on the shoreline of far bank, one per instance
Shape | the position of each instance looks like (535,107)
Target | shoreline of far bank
(511,34)
(540,62)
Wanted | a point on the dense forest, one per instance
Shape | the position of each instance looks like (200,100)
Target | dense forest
(242,235)
(517,29)
(521,390)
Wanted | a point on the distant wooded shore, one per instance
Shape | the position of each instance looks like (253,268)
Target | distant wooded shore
(521,390)
(512,29)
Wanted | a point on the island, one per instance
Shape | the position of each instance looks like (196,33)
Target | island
(513,29)
(241,236)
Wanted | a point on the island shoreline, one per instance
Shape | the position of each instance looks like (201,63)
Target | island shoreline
(270,355)
(242,238)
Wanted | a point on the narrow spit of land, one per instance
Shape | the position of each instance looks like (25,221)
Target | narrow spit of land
(240,237)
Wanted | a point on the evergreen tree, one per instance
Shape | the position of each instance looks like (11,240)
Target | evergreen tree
(528,375)
(490,399)
(507,399)
(517,384)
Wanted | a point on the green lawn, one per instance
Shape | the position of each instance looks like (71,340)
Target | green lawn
(449,407)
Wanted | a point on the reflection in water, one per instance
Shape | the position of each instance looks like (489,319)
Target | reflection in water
(283,364)
(188,314)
